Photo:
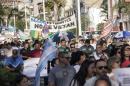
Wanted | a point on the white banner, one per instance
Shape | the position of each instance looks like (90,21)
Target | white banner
(36,24)
(63,25)
(122,75)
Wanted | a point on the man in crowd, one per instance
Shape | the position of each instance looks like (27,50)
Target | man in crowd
(63,73)
(63,47)
(25,51)
(87,48)
(37,51)
(99,54)
(101,70)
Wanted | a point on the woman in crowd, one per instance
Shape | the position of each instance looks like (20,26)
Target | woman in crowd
(113,63)
(77,59)
(125,56)
(86,71)
(117,52)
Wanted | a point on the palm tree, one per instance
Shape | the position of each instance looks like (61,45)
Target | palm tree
(123,10)
(7,11)
(57,6)
(123,6)
(104,7)
(19,18)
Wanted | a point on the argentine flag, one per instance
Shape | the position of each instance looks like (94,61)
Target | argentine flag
(48,54)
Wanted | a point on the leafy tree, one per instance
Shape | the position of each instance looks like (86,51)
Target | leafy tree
(123,6)
(104,7)
(7,11)
(20,18)
(100,26)
(20,24)
(85,22)
(57,6)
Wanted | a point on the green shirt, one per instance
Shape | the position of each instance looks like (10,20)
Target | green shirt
(62,49)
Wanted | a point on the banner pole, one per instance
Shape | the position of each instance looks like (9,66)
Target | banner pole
(79,18)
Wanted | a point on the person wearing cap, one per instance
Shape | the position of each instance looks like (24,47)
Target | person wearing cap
(63,73)
(14,66)
(15,62)
(87,48)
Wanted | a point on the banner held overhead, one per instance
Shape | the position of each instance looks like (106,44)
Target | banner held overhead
(63,25)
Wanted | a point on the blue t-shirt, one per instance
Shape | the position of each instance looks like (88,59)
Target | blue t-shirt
(14,62)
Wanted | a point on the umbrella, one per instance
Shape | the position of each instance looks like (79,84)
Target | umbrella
(122,34)
(60,35)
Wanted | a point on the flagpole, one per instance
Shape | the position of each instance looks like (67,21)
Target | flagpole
(79,18)
(44,15)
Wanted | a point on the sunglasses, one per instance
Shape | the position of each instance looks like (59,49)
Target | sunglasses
(101,67)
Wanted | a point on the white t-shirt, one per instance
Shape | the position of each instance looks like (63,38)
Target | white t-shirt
(77,67)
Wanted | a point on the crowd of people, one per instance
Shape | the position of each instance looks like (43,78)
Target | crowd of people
(81,62)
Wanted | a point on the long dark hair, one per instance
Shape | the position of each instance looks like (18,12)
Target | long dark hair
(80,77)
(123,53)
(75,57)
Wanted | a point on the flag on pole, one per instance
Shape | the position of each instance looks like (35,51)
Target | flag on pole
(46,56)
(106,30)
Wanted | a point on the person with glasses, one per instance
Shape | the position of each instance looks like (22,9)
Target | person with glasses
(87,48)
(63,73)
(72,47)
(101,70)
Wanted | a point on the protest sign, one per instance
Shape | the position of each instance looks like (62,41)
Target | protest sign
(63,25)
(53,26)
(122,75)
